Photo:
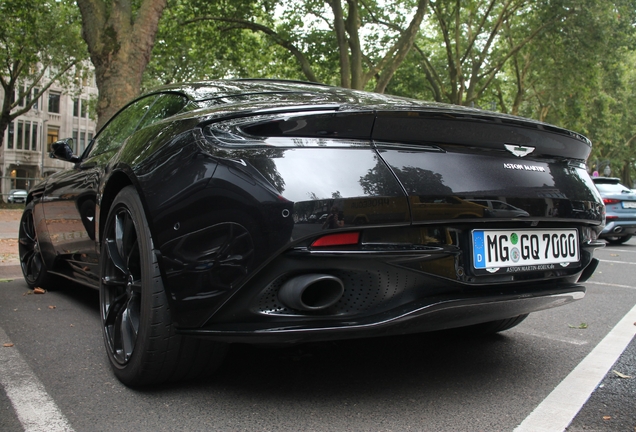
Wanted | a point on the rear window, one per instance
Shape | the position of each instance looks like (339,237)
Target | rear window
(611,187)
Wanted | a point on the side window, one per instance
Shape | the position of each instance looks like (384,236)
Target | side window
(121,127)
(166,105)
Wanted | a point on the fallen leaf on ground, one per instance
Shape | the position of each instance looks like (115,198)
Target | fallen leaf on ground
(38,290)
(620,374)
(7,345)
(6,280)
(52,307)
(580,326)
(607,417)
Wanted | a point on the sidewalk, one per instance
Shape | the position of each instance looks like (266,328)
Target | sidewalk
(9,259)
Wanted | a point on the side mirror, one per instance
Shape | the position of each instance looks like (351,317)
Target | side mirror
(63,150)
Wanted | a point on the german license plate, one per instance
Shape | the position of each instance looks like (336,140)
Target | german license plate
(514,251)
(629,204)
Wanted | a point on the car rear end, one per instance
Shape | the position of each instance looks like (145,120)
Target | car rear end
(620,205)
(414,252)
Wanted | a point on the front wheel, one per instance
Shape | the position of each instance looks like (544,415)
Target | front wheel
(31,262)
(141,342)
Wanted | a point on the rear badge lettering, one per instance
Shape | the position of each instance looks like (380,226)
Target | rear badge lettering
(523,167)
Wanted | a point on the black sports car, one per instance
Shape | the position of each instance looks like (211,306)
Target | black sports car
(276,212)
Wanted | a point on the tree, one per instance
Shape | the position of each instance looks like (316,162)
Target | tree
(39,44)
(368,40)
(207,49)
(468,43)
(120,35)
(582,78)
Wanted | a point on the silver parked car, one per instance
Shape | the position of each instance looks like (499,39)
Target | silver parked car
(620,205)
(17,196)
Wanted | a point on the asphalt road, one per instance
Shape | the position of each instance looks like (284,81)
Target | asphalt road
(433,382)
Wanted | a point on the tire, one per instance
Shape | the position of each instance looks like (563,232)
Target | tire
(618,240)
(498,325)
(140,338)
(31,261)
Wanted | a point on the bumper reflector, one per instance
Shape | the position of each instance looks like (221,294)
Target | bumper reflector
(341,239)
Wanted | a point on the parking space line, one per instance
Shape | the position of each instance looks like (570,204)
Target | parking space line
(560,407)
(549,336)
(618,262)
(619,250)
(33,406)
(610,284)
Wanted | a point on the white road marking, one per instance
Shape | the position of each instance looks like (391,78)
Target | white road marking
(557,410)
(35,409)
(617,262)
(550,337)
(610,284)
(620,250)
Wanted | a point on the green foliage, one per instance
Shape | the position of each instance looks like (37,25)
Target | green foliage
(36,36)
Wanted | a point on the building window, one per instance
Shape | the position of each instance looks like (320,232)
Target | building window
(27,134)
(52,135)
(20,137)
(21,96)
(75,107)
(75,139)
(82,142)
(54,102)
(34,137)
(10,135)
(83,110)
(37,101)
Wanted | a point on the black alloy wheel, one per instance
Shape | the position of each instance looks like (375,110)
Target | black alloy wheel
(140,338)
(33,268)
(121,286)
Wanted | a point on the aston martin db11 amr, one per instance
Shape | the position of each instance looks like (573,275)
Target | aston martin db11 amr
(277,212)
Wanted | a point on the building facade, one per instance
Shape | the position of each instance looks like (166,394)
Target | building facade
(27,141)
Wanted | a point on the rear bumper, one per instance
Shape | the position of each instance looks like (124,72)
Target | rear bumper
(437,313)
(618,228)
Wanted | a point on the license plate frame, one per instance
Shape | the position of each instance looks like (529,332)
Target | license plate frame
(524,250)
(629,204)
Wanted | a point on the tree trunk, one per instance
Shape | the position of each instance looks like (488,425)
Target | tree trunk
(119,43)
(404,45)
(341,37)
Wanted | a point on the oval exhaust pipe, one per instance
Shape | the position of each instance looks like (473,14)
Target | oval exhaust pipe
(311,292)
(618,229)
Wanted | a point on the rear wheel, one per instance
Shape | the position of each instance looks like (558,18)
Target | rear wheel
(618,240)
(33,267)
(140,338)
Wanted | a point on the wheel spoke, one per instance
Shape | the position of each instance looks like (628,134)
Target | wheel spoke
(114,308)
(27,257)
(125,235)
(27,241)
(135,286)
(128,330)
(110,281)
(115,257)
(35,266)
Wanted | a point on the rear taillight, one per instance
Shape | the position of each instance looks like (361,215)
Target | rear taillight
(610,201)
(611,217)
(341,239)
